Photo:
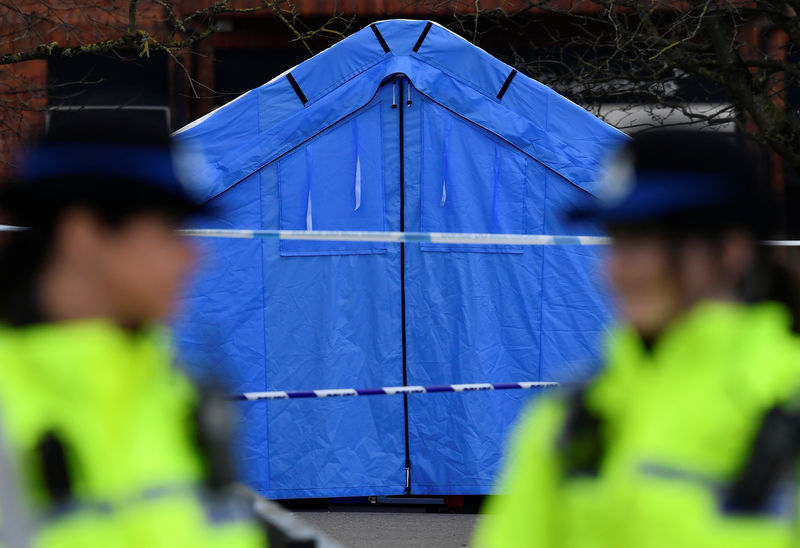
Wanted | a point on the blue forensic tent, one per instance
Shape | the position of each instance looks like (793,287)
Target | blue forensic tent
(402,126)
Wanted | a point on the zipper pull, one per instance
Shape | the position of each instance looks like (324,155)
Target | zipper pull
(408,93)
(394,93)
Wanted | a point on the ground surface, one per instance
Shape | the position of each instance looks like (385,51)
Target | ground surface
(369,526)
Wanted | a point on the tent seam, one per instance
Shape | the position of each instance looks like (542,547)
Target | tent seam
(541,278)
(383,173)
(525,200)
(264,304)
(422,164)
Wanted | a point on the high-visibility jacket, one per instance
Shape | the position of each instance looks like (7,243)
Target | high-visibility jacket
(100,426)
(674,426)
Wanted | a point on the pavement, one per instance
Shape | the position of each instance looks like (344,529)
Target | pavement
(371,526)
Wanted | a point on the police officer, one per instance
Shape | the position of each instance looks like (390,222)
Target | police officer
(687,436)
(100,426)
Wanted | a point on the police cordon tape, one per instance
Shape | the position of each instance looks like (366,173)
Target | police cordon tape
(422,237)
(460,238)
(401,237)
(390,390)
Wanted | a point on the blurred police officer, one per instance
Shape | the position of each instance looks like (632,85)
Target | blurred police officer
(100,425)
(688,435)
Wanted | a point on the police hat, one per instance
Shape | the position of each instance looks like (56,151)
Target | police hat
(682,179)
(114,162)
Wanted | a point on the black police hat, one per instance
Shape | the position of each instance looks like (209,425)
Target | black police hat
(682,179)
(114,161)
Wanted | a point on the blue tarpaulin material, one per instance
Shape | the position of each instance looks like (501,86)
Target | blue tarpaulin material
(402,126)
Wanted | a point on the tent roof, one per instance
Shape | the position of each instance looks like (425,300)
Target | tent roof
(251,131)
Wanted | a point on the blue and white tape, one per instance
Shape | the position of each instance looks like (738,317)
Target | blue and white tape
(401,237)
(467,238)
(390,390)
(423,237)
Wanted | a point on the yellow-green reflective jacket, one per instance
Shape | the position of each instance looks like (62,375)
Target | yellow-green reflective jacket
(677,426)
(123,417)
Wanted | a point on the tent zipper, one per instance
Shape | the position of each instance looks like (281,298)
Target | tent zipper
(403,270)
